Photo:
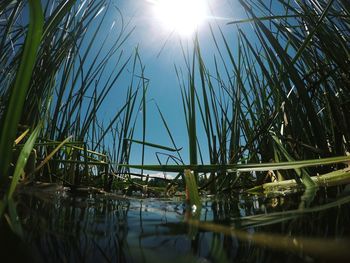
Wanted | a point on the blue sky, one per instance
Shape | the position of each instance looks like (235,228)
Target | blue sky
(160,51)
(151,37)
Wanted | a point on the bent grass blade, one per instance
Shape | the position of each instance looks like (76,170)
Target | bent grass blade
(47,158)
(335,249)
(154,145)
(19,91)
(22,159)
(244,167)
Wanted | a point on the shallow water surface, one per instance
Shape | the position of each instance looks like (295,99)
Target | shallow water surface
(295,227)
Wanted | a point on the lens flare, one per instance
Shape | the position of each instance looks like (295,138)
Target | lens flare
(181,16)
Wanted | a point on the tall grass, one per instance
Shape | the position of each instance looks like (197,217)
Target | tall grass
(280,93)
(75,55)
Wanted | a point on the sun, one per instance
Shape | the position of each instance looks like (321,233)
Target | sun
(181,16)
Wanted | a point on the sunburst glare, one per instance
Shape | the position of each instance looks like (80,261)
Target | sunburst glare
(182,16)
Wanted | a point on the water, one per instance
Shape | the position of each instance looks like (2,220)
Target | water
(288,227)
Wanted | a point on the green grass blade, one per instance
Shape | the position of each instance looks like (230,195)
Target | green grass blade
(169,133)
(302,173)
(56,18)
(192,189)
(262,18)
(312,33)
(19,92)
(155,145)
(13,219)
(244,167)
(22,159)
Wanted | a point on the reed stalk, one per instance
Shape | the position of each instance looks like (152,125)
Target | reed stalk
(13,112)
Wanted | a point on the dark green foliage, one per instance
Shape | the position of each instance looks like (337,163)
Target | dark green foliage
(281,93)
(73,56)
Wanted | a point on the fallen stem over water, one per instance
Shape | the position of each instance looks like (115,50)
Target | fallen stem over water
(334,249)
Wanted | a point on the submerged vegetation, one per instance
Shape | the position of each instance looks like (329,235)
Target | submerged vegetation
(273,105)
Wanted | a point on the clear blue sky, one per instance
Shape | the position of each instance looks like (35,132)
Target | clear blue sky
(151,36)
